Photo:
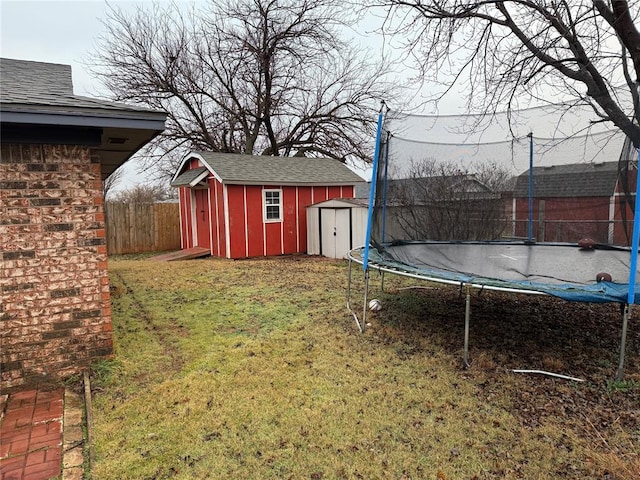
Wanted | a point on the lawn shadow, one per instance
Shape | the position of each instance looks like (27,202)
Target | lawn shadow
(513,330)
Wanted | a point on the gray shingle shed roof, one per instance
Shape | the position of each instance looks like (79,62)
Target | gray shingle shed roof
(264,170)
(37,103)
(574,180)
(190,177)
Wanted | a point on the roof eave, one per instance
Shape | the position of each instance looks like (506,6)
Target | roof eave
(134,120)
(193,182)
(290,184)
(122,133)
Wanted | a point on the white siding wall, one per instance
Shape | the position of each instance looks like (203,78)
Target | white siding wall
(313,232)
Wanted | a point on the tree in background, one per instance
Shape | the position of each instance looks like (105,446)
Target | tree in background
(440,201)
(110,183)
(144,193)
(267,77)
(506,54)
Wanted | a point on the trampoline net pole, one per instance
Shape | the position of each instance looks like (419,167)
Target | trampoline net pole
(364,306)
(634,242)
(355,316)
(372,192)
(530,212)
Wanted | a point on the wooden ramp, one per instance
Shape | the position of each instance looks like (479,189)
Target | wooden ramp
(187,254)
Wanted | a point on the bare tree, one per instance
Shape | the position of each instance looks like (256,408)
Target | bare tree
(580,52)
(144,193)
(269,77)
(111,182)
(439,201)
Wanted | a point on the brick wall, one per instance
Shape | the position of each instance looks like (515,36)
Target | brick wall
(55,313)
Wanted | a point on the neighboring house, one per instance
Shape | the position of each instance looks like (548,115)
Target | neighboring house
(438,188)
(57,147)
(574,201)
(239,206)
(454,207)
(363,190)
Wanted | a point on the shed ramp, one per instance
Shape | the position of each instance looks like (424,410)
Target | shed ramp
(187,254)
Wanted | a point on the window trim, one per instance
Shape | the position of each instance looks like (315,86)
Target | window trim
(264,205)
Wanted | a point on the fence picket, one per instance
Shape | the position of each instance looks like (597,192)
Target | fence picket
(139,228)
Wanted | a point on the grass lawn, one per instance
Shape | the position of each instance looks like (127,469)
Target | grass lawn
(254,369)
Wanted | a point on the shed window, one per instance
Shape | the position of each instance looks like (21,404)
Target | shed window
(272,205)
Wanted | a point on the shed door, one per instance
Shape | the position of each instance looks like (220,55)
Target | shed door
(335,232)
(203,225)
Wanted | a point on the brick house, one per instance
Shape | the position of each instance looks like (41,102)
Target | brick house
(57,147)
(575,201)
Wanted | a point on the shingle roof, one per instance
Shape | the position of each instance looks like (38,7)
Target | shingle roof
(574,180)
(264,170)
(357,202)
(188,177)
(49,86)
(37,103)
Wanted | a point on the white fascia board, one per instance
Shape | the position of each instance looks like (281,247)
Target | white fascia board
(188,157)
(199,178)
(290,184)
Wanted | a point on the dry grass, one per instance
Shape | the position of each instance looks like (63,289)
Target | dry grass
(254,369)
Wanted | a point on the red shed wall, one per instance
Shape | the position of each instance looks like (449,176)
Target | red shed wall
(250,236)
(216,198)
(290,213)
(624,223)
(623,231)
(186,209)
(186,218)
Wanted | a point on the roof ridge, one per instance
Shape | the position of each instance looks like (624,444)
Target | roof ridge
(241,168)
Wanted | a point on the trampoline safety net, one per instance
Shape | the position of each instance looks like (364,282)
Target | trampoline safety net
(486,201)
(461,178)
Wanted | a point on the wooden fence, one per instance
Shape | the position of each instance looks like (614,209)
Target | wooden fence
(142,227)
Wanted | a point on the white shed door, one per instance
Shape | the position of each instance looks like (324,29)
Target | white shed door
(335,241)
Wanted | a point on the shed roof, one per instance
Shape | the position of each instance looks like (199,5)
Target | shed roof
(232,168)
(574,180)
(190,177)
(37,105)
(342,202)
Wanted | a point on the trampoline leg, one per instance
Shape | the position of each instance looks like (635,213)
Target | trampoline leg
(355,317)
(623,341)
(364,307)
(467,316)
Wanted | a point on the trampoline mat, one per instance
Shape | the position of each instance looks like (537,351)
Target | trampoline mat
(562,270)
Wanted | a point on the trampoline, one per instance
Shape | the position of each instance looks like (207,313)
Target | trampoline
(595,272)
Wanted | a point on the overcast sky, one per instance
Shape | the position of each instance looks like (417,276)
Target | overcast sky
(56,32)
(65,32)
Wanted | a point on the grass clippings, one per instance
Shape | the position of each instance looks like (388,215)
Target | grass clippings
(255,370)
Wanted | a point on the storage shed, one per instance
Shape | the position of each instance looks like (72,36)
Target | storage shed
(334,227)
(240,206)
